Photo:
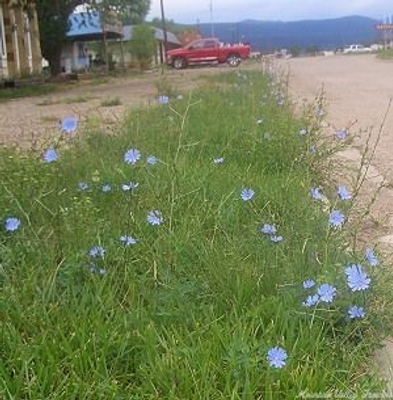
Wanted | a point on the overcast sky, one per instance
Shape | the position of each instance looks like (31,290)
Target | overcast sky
(192,11)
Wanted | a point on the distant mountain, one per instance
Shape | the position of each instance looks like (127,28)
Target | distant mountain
(322,34)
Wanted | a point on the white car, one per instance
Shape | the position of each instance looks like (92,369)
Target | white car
(357,48)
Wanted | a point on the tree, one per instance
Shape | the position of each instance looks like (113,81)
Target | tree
(53,21)
(143,45)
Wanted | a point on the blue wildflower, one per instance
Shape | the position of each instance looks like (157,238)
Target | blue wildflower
(69,124)
(326,292)
(341,134)
(152,160)
(316,194)
(163,99)
(268,229)
(356,312)
(343,193)
(83,186)
(357,279)
(303,132)
(319,113)
(50,155)
(311,300)
(12,224)
(308,284)
(276,238)
(97,252)
(247,194)
(155,217)
(96,270)
(313,149)
(132,156)
(276,357)
(219,160)
(336,218)
(106,188)
(260,121)
(371,258)
(128,240)
(130,186)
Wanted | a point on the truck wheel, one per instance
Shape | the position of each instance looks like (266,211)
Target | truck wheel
(234,60)
(179,63)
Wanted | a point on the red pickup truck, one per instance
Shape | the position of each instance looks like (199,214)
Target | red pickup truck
(208,51)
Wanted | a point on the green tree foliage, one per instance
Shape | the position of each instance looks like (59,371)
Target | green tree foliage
(142,45)
(53,21)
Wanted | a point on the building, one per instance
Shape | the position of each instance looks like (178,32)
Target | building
(85,27)
(20,50)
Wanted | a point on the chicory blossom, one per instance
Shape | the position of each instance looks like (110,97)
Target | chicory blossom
(311,300)
(308,284)
(316,194)
(155,217)
(130,186)
(371,258)
(343,193)
(276,357)
(132,156)
(69,124)
(357,279)
(356,312)
(247,194)
(163,99)
(268,229)
(218,160)
(97,252)
(341,134)
(336,218)
(326,293)
(50,155)
(276,238)
(83,186)
(151,160)
(303,132)
(12,224)
(128,240)
(106,188)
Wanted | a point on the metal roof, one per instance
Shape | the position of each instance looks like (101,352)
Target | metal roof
(158,34)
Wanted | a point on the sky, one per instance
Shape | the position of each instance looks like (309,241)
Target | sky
(194,11)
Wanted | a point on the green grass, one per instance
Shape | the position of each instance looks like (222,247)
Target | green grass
(386,54)
(191,310)
(26,91)
(111,102)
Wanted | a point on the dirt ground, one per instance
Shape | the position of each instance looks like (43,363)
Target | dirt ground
(27,119)
(358,91)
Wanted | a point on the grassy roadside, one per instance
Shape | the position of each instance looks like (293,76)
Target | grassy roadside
(146,265)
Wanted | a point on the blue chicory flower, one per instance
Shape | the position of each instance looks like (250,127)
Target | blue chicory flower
(268,229)
(132,156)
(276,357)
(303,132)
(336,218)
(308,284)
(356,312)
(247,194)
(131,186)
(69,124)
(128,240)
(83,186)
(313,149)
(357,279)
(218,160)
(12,224)
(343,193)
(97,252)
(163,99)
(326,293)
(155,217)
(50,155)
(316,194)
(151,160)
(96,270)
(106,188)
(311,300)
(276,238)
(371,258)
(341,134)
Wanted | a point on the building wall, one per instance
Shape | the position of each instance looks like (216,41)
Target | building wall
(20,50)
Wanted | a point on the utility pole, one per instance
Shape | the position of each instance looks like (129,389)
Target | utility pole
(211,18)
(163,56)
